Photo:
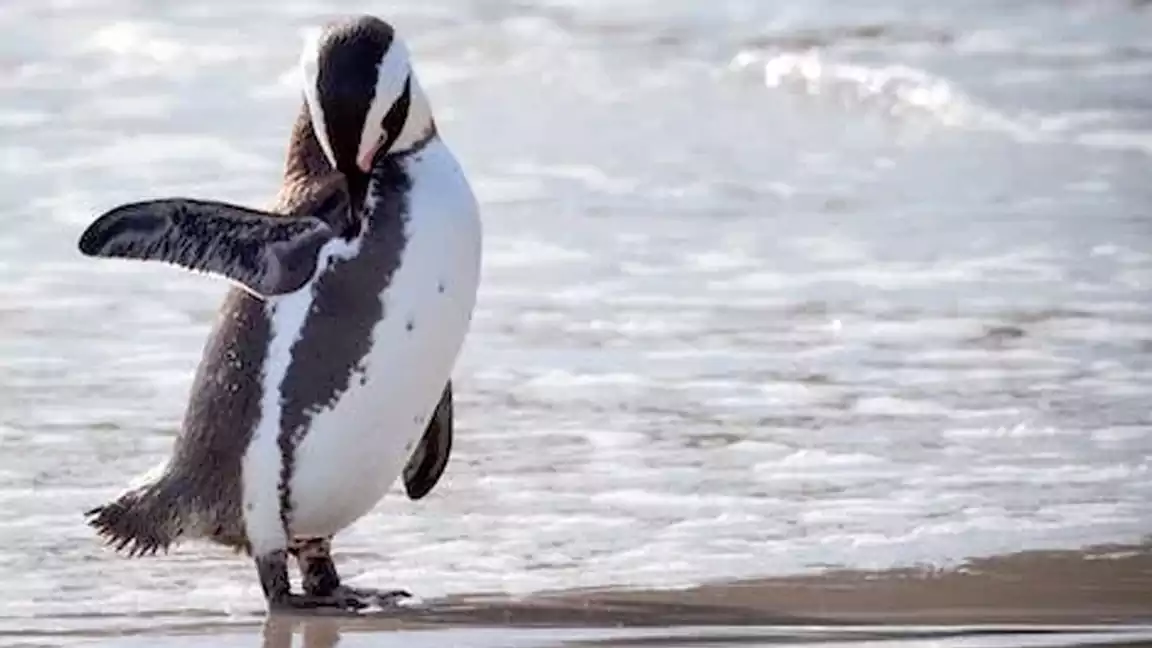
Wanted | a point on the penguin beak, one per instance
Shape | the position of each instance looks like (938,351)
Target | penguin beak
(365,161)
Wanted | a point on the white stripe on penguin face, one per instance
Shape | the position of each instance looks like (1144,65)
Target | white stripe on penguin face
(310,65)
(391,74)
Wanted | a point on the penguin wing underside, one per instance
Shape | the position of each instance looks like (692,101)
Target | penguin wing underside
(430,458)
(268,254)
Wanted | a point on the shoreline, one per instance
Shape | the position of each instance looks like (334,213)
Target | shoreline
(1096,585)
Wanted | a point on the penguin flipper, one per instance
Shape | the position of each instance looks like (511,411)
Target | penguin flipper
(430,458)
(268,254)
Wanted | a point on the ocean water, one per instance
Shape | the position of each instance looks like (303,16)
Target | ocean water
(769,287)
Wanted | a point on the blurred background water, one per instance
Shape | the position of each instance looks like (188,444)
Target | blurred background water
(769,287)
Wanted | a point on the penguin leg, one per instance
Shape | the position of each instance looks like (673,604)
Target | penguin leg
(318,573)
(272,568)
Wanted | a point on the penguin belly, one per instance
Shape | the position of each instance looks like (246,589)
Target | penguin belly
(354,451)
(356,446)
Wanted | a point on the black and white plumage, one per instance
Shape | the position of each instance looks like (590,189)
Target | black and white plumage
(327,375)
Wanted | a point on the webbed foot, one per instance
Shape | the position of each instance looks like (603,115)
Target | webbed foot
(336,602)
(371,597)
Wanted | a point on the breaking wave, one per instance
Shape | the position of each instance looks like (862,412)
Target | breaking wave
(896,90)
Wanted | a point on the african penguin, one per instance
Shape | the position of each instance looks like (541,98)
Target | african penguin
(327,373)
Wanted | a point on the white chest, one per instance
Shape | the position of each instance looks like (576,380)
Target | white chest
(357,444)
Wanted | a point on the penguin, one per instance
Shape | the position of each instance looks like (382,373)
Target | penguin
(327,373)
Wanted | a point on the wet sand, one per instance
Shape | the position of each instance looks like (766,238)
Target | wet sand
(1090,597)
(1101,585)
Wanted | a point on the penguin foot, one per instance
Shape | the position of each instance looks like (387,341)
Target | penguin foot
(320,579)
(342,600)
(336,602)
(370,597)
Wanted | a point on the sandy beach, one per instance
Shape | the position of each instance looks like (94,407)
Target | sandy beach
(1101,596)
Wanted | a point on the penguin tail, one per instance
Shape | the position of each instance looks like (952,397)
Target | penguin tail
(140,522)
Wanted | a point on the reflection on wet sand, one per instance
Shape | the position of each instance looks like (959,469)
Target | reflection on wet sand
(322,632)
(317,632)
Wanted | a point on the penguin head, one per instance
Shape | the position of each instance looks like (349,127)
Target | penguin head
(362,96)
